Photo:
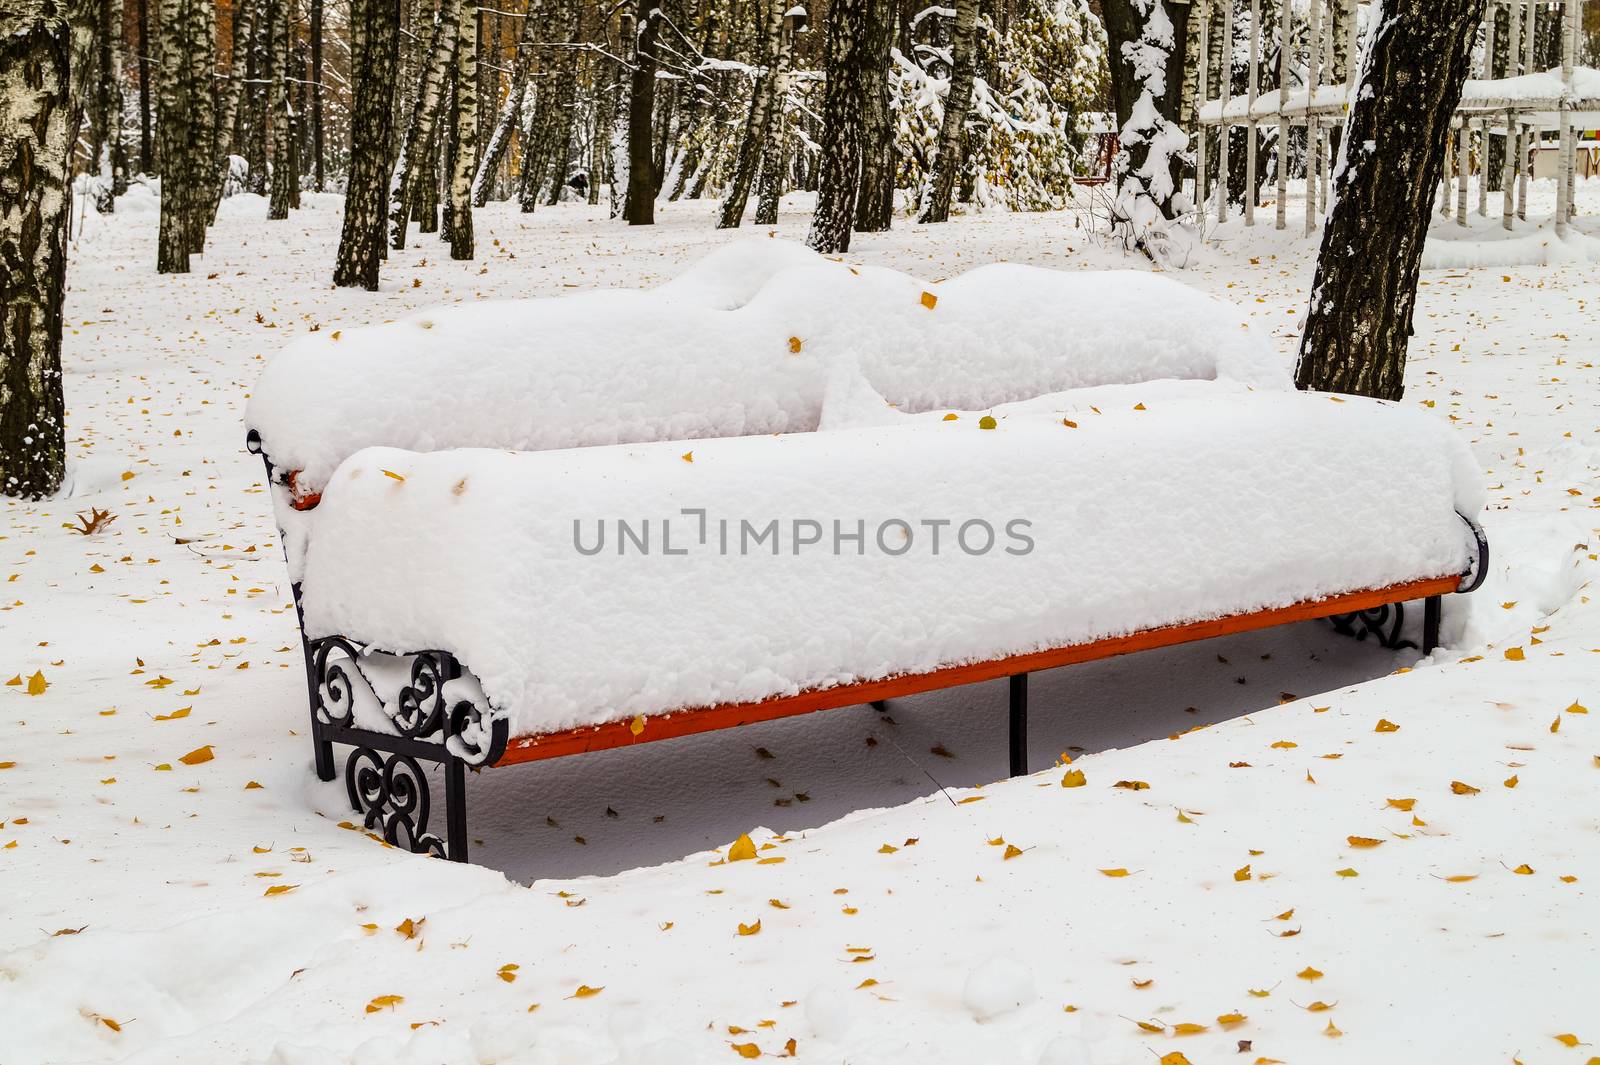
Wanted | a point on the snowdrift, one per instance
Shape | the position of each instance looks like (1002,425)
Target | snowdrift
(742,344)
(584,586)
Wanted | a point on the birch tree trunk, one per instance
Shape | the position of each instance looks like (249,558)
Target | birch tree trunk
(511,109)
(1365,292)
(1146,39)
(278,112)
(839,162)
(318,145)
(374,54)
(105,127)
(618,185)
(442,53)
(561,116)
(147,150)
(957,102)
(757,120)
(245,13)
(35,139)
(465,143)
(640,207)
(879,160)
(184,130)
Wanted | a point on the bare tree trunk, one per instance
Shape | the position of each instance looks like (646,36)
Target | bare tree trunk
(318,145)
(245,13)
(278,111)
(511,109)
(840,149)
(640,208)
(374,54)
(105,127)
(184,130)
(147,154)
(759,118)
(424,118)
(561,116)
(256,120)
(879,160)
(465,143)
(957,103)
(35,139)
(1147,48)
(1392,160)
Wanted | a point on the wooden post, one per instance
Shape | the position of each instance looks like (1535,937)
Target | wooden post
(1285,21)
(1225,79)
(1251,191)
(1313,150)
(1483,126)
(1463,169)
(1574,14)
(1202,92)
(1508,175)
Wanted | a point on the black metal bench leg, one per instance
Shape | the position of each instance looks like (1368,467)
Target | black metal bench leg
(1431,610)
(455,809)
(322,749)
(880,705)
(1019,725)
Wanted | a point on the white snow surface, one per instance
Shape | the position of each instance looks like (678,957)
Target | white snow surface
(712,354)
(134,925)
(1136,518)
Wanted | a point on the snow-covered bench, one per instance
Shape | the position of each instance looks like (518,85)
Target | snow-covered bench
(486,607)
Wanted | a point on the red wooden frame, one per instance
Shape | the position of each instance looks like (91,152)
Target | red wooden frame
(730,715)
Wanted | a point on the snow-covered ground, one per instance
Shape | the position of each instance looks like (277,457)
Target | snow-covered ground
(1357,862)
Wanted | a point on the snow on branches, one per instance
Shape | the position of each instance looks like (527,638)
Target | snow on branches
(1147,193)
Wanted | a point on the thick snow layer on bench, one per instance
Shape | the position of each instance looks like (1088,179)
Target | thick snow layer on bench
(1186,510)
(714,354)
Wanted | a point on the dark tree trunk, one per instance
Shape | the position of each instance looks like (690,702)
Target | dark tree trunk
(431,77)
(185,130)
(35,139)
(105,132)
(147,155)
(255,123)
(563,113)
(758,119)
(840,149)
(640,208)
(318,144)
(374,54)
(1365,290)
(464,144)
(957,102)
(278,111)
(1134,44)
(245,14)
(1495,156)
(511,109)
(879,161)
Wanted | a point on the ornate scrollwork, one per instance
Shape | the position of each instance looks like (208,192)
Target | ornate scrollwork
(334,680)
(390,791)
(420,706)
(474,739)
(1383,622)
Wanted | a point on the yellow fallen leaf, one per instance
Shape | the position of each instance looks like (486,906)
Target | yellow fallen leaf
(743,849)
(1242,873)
(1514,654)
(1462,789)
(1524,869)
(1346,873)
(1227,1020)
(1403,804)
(1174,1058)
(1461,878)
(1510,781)
(1074,778)
(1308,973)
(392,474)
(508,972)
(987,422)
(1283,745)
(37,684)
(1331,1032)
(1114,872)
(176,715)
(795,344)
(750,929)
(1568,1040)
(1151,1026)
(929,300)
(746,1050)
(280,889)
(115,1026)
(1555,726)
(1132,785)
(1259,993)
(687,456)
(1577,708)
(888,848)
(198,756)
(636,726)
(1385,725)
(1012,851)
(384,1002)
(1363,841)
(1189,1029)
(585,991)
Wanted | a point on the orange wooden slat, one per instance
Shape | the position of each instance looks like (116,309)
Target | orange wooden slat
(730,715)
